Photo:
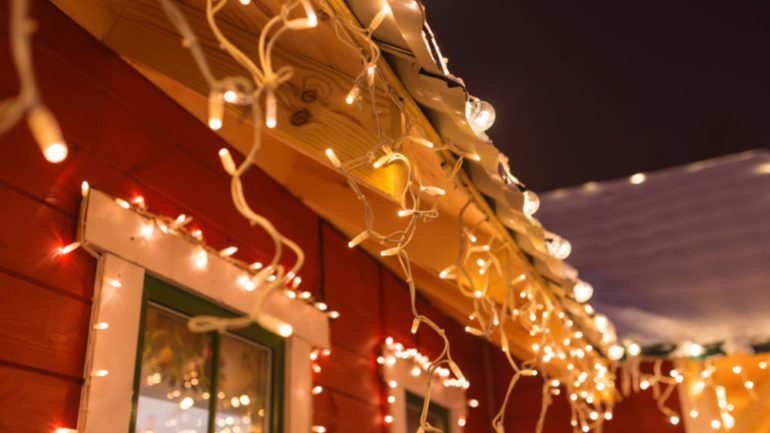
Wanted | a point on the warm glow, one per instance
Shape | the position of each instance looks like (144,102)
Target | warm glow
(637,178)
(333,158)
(68,248)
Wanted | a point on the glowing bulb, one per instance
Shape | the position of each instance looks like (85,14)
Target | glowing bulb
(227,161)
(352,95)
(46,132)
(391,399)
(186,403)
(334,314)
(594,415)
(271,108)
(602,322)
(616,352)
(715,424)
(285,330)
(557,246)
(147,230)
(68,248)
(693,349)
(473,403)
(461,422)
(405,212)
(244,2)
(100,373)
(737,369)
(333,158)
(480,115)
(201,258)
(84,188)
(122,203)
(693,414)
(531,203)
(393,384)
(390,252)
(748,384)
(582,291)
(101,326)
(633,349)
(762,365)
(318,429)
(446,272)
(229,251)
(65,430)
(674,420)
(637,178)
(317,389)
(231,96)
(216,110)
(388,419)
(245,282)
(644,384)
(416,371)
(377,20)
(432,190)
(358,239)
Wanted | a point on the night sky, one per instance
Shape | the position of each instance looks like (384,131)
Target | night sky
(595,90)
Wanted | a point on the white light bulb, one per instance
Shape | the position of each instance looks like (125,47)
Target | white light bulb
(216,110)
(352,95)
(633,349)
(557,246)
(186,403)
(46,132)
(693,349)
(68,248)
(582,291)
(271,108)
(531,204)
(480,115)
(637,178)
(333,158)
(616,352)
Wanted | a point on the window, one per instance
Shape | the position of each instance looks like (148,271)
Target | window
(139,348)
(438,416)
(203,383)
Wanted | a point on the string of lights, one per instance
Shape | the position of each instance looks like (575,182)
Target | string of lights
(41,122)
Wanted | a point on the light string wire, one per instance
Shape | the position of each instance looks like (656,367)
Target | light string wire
(262,82)
(385,152)
(41,122)
(587,378)
(701,385)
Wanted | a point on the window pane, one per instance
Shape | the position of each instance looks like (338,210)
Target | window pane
(244,387)
(174,382)
(438,416)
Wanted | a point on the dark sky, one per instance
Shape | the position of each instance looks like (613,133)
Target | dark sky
(593,90)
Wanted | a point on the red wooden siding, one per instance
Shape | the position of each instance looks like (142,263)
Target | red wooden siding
(126,137)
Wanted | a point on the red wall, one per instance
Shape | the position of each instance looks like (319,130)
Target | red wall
(126,137)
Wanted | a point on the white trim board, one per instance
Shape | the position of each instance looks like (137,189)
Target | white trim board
(399,372)
(113,233)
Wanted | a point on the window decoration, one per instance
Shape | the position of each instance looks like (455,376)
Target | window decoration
(410,375)
(116,231)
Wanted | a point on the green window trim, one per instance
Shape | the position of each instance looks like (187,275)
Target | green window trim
(168,296)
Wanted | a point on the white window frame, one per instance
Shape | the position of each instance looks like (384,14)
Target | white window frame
(397,373)
(112,233)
